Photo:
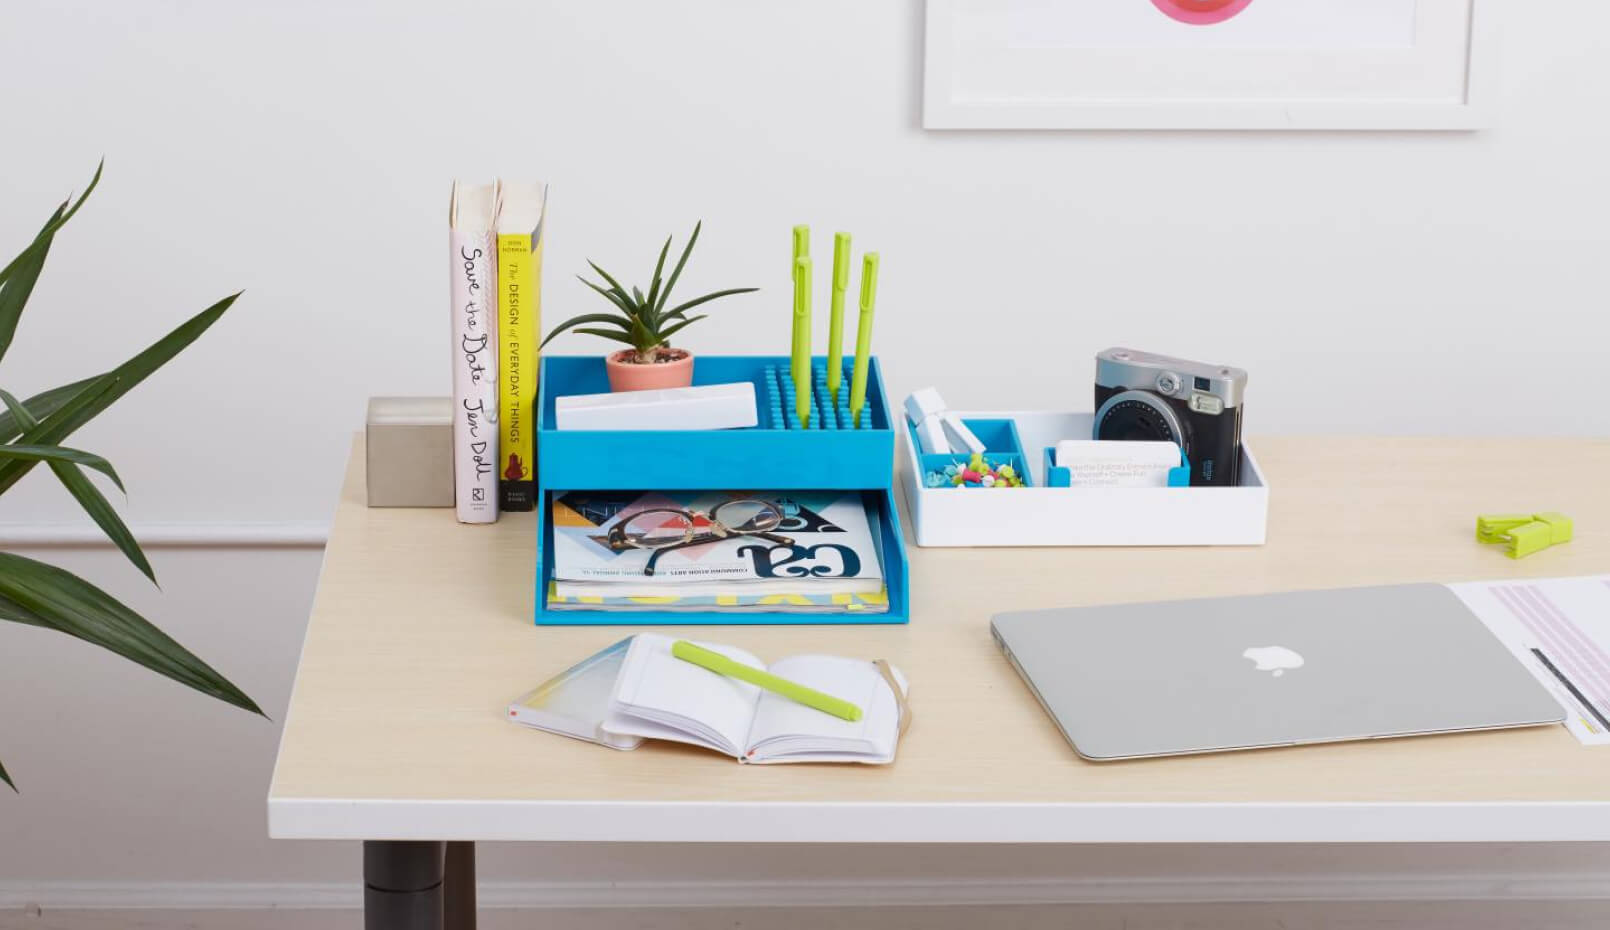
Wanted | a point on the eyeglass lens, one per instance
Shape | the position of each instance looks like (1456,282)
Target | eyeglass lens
(654,528)
(747,516)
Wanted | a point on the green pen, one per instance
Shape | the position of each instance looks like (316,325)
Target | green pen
(802,249)
(863,336)
(835,318)
(802,245)
(802,340)
(794,691)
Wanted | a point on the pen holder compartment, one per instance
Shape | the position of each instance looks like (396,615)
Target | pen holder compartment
(776,453)
(783,413)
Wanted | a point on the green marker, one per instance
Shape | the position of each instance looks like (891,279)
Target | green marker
(802,340)
(835,319)
(863,336)
(721,665)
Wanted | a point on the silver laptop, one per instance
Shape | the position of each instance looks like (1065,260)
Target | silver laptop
(1177,677)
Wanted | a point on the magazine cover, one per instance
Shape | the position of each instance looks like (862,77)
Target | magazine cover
(819,543)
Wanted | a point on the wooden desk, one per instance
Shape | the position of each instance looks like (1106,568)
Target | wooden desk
(421,633)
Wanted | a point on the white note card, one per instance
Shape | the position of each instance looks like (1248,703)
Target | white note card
(1110,463)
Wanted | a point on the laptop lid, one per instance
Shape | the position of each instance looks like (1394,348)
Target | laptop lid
(1173,677)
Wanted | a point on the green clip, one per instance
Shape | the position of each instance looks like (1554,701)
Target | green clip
(1495,527)
(1559,526)
(1522,534)
(1523,540)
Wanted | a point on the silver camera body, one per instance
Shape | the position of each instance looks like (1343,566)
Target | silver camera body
(1197,406)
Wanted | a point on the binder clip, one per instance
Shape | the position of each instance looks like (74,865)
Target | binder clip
(1523,534)
(938,430)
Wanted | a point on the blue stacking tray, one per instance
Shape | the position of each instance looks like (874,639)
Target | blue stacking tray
(779,453)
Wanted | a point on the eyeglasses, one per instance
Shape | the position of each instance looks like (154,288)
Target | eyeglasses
(662,529)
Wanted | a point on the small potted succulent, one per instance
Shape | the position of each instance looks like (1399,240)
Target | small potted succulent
(643,323)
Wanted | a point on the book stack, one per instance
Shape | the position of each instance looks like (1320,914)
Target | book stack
(627,551)
(495,276)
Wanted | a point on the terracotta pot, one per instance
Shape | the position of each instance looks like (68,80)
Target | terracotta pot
(628,376)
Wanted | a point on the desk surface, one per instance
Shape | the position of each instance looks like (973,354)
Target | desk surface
(421,633)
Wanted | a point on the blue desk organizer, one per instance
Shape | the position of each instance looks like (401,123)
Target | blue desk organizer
(776,454)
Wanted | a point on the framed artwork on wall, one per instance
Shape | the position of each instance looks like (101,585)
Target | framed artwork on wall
(1209,64)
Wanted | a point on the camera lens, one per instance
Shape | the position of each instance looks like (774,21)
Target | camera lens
(1136,421)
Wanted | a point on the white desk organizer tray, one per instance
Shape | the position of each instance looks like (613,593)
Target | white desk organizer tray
(1037,515)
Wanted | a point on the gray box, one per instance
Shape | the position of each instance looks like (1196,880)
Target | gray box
(409,451)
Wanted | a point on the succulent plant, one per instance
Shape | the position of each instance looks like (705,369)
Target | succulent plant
(642,320)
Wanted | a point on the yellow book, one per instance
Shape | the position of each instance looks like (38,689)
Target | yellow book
(520,220)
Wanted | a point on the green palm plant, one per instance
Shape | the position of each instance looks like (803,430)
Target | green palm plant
(642,321)
(31,432)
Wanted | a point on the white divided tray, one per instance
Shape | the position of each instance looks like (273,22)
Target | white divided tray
(1044,516)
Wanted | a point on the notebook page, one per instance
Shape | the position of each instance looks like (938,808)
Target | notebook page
(785,727)
(664,690)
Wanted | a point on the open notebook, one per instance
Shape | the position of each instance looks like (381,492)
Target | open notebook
(637,690)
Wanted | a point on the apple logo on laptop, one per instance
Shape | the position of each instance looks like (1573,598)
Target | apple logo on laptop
(1273,659)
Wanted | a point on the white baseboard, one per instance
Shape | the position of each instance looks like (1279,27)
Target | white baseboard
(301,535)
(629,895)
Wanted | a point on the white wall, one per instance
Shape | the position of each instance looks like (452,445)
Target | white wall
(1407,283)
(301,150)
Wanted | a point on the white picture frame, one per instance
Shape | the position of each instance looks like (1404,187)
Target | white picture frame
(977,76)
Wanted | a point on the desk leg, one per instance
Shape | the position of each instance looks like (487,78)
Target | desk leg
(458,888)
(402,885)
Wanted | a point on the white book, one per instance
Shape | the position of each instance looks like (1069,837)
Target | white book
(658,696)
(473,275)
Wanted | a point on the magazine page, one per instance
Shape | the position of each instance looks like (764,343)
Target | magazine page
(828,547)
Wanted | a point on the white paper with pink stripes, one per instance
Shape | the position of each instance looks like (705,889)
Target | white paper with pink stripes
(1559,628)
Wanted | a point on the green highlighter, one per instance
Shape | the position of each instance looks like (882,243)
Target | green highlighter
(721,665)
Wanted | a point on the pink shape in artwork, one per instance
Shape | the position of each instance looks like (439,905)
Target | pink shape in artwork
(1201,12)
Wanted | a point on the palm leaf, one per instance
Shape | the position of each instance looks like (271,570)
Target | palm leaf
(39,406)
(677,272)
(21,276)
(36,432)
(61,454)
(43,595)
(17,411)
(59,218)
(7,778)
(708,297)
(58,426)
(18,278)
(100,510)
(64,462)
(610,319)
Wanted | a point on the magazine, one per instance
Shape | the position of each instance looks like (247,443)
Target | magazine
(821,555)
